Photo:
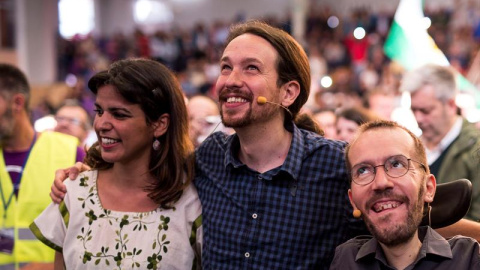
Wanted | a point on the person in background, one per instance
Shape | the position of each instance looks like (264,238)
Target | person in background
(326,119)
(452,143)
(203,117)
(137,208)
(348,121)
(74,120)
(28,160)
(390,184)
(381,103)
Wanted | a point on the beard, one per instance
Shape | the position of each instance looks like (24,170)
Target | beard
(400,233)
(262,113)
(6,125)
(250,117)
(246,120)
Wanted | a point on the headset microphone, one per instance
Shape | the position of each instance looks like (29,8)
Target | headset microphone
(262,100)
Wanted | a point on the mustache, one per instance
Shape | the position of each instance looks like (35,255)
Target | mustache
(235,91)
(386,194)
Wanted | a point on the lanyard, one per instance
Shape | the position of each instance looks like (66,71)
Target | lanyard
(6,204)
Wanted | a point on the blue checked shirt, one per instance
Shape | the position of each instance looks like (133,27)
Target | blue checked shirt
(291,217)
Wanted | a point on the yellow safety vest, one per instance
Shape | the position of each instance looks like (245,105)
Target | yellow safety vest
(51,151)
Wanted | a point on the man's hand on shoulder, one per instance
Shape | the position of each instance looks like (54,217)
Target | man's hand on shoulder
(58,188)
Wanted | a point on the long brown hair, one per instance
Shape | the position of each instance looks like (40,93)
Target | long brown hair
(155,88)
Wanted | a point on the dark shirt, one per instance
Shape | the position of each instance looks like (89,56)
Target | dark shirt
(291,217)
(364,252)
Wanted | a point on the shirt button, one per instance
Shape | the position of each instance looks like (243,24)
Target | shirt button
(247,254)
(254,216)
(259,177)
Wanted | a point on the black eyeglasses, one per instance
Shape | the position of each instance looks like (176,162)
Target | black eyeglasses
(395,166)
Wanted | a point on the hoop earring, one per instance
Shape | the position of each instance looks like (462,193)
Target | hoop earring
(156,144)
(357,213)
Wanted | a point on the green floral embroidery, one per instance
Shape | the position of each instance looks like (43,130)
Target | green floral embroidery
(127,223)
(91,194)
(83,181)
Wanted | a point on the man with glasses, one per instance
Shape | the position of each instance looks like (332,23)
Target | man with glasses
(74,120)
(390,184)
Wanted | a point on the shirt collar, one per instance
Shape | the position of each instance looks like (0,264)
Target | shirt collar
(450,136)
(432,243)
(292,163)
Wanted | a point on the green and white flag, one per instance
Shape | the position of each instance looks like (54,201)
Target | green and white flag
(409,43)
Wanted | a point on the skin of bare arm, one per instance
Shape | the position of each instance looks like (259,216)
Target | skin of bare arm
(59,263)
(463,227)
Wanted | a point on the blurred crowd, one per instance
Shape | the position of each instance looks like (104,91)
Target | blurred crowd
(362,77)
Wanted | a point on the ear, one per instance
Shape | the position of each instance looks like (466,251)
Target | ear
(292,90)
(452,106)
(350,197)
(160,126)
(18,102)
(430,187)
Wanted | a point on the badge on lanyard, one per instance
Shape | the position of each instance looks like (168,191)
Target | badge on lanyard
(7,237)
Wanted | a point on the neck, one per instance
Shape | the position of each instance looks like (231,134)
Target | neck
(403,255)
(264,147)
(123,189)
(131,176)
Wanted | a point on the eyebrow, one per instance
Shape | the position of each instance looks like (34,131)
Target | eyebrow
(112,108)
(244,61)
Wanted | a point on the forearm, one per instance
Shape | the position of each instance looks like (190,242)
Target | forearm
(59,264)
(463,227)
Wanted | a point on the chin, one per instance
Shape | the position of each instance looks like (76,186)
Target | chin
(109,158)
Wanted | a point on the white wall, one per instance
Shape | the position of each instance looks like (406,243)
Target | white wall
(117,15)
(36,28)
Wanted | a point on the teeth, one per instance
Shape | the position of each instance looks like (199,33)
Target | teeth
(108,141)
(235,99)
(384,206)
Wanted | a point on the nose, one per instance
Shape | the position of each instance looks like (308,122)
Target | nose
(234,79)
(382,181)
(419,116)
(102,123)
(62,124)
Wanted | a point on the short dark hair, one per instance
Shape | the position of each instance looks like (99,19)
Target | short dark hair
(358,115)
(419,149)
(13,81)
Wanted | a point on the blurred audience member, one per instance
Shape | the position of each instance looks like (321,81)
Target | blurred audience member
(451,143)
(348,121)
(74,120)
(203,116)
(326,119)
(381,103)
(28,160)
